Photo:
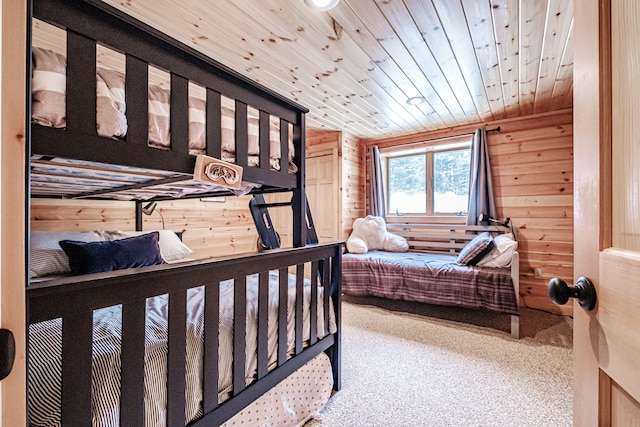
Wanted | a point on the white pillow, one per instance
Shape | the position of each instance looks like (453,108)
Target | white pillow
(47,257)
(171,247)
(500,256)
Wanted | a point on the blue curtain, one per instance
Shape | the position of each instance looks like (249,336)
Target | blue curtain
(481,199)
(377,206)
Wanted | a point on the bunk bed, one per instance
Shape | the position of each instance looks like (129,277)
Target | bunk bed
(190,342)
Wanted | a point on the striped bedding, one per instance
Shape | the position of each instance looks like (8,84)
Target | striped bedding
(44,392)
(428,278)
(48,109)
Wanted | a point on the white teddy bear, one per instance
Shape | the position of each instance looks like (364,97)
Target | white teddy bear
(370,233)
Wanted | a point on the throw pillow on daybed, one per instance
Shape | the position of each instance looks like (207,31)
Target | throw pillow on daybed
(476,249)
(502,253)
(109,255)
(370,233)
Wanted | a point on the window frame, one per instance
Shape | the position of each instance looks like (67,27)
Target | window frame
(426,148)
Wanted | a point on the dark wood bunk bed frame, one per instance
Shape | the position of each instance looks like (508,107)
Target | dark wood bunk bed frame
(73,299)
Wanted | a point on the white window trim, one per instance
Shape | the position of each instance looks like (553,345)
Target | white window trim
(422,147)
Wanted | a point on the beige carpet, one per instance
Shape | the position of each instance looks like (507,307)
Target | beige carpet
(419,365)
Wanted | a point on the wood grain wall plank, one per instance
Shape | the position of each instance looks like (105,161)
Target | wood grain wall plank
(210,229)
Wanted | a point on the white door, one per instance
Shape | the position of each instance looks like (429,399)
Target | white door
(323,196)
(607,211)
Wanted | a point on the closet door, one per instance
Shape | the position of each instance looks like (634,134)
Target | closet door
(323,195)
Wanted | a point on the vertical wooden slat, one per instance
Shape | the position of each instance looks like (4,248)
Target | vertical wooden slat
(299,199)
(77,342)
(176,365)
(264,138)
(179,115)
(336,297)
(242,135)
(283,308)
(299,307)
(136,97)
(263,323)
(132,362)
(214,124)
(284,146)
(81,84)
(326,287)
(239,334)
(211,370)
(138,215)
(313,304)
(299,138)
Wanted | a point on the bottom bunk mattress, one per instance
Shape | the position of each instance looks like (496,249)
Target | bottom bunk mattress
(45,349)
(428,278)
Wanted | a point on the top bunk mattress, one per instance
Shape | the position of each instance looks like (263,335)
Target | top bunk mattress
(113,112)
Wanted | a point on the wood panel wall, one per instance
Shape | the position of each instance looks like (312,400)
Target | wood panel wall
(210,229)
(353,182)
(532,167)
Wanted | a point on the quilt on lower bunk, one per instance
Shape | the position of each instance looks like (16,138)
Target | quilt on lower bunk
(46,346)
(428,278)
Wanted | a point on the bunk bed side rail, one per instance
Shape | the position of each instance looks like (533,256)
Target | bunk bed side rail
(74,299)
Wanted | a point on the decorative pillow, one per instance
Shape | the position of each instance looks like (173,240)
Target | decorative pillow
(500,256)
(476,249)
(370,233)
(159,117)
(46,256)
(171,247)
(49,95)
(96,257)
(49,86)
(111,120)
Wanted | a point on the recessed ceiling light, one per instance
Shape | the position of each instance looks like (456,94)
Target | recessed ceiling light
(415,100)
(321,5)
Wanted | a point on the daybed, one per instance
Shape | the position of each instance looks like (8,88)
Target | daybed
(119,333)
(431,272)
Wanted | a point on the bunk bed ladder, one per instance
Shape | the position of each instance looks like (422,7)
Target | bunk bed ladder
(269,238)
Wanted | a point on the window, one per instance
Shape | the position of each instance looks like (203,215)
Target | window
(430,180)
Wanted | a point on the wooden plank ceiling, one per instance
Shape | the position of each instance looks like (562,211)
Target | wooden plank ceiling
(355,66)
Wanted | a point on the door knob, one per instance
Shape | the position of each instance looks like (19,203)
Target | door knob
(7,352)
(584,292)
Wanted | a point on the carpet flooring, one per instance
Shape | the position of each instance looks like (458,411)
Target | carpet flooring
(408,364)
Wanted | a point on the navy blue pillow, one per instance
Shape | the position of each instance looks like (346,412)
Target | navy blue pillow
(476,249)
(96,257)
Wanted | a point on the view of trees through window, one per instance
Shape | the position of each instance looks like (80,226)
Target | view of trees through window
(408,182)
(451,181)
